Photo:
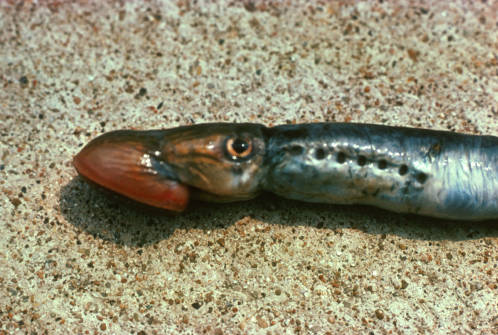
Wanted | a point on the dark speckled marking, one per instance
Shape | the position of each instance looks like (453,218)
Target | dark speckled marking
(362,160)
(382,164)
(421,177)
(320,153)
(403,169)
(341,157)
(435,150)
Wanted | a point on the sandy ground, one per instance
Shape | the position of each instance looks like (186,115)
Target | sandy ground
(72,260)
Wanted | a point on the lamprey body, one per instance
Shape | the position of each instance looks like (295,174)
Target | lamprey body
(407,170)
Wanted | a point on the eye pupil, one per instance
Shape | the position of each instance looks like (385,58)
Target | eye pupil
(240,146)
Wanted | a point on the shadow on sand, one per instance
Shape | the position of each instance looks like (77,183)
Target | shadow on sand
(126,223)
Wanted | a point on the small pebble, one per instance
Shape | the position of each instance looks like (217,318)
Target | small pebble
(16,202)
(23,81)
(262,322)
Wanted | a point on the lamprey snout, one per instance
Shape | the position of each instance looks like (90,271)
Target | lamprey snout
(407,170)
(165,168)
(128,162)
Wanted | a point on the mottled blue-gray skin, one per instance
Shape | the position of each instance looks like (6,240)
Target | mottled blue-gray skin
(434,173)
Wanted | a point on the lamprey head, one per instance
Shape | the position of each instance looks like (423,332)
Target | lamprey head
(164,168)
(220,162)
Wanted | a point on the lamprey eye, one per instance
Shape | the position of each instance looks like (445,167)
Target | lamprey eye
(238,148)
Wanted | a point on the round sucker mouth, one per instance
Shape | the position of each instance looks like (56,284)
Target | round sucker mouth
(121,162)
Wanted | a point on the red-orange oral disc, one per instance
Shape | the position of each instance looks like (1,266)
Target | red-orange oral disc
(120,165)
